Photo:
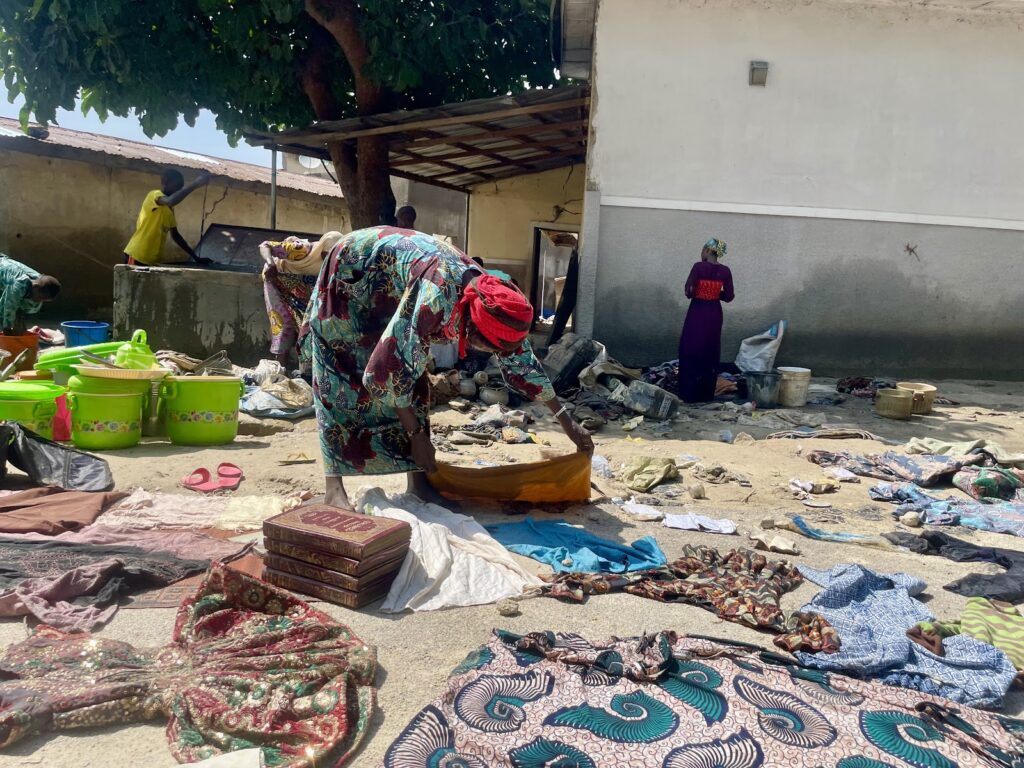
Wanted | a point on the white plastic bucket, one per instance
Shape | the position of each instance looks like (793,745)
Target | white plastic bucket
(793,386)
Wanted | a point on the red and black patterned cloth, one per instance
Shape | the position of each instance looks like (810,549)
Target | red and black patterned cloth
(249,665)
(740,586)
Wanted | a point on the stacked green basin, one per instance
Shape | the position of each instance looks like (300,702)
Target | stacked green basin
(31,404)
(106,414)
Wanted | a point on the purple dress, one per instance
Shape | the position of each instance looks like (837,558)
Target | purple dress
(700,344)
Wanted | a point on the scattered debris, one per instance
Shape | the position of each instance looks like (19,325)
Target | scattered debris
(772,543)
(642,473)
(508,608)
(911,520)
(697,491)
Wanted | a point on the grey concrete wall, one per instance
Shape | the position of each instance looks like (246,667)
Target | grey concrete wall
(197,312)
(860,296)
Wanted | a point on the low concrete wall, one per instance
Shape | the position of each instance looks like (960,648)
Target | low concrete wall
(194,311)
(861,297)
(71,219)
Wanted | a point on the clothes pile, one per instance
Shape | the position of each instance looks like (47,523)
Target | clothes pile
(863,386)
(872,614)
(925,471)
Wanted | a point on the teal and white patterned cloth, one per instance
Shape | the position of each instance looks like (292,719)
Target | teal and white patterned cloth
(662,701)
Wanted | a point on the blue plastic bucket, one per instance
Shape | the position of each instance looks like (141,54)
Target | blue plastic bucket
(81,333)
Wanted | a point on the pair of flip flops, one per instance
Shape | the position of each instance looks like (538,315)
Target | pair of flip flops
(228,478)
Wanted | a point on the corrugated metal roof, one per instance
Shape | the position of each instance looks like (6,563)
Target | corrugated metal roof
(87,146)
(458,146)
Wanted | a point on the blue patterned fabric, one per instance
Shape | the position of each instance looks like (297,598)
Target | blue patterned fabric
(568,549)
(996,516)
(872,613)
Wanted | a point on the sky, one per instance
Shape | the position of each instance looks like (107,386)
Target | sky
(204,139)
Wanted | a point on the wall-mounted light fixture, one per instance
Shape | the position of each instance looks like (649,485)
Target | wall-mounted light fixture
(759,73)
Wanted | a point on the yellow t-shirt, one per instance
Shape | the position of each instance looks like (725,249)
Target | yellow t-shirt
(155,221)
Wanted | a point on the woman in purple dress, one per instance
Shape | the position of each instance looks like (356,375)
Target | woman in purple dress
(700,344)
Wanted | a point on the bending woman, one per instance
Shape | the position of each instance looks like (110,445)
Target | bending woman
(700,345)
(383,296)
(290,273)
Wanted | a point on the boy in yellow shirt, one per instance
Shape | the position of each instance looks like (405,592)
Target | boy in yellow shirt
(156,219)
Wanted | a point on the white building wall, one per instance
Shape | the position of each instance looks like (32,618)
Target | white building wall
(866,108)
(872,194)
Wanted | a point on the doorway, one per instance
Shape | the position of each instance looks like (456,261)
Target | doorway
(552,250)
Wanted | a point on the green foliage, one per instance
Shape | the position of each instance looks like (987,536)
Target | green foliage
(242,59)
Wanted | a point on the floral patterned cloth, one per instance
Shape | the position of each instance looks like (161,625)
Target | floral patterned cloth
(249,666)
(740,586)
(286,295)
(383,296)
(548,700)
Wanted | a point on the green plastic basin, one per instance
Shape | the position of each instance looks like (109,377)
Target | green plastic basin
(201,410)
(105,422)
(31,404)
(91,385)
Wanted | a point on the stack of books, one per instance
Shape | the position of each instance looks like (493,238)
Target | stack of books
(337,556)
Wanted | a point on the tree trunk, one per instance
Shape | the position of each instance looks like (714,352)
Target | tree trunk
(363,166)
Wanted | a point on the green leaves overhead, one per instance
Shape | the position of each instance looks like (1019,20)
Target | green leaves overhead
(243,59)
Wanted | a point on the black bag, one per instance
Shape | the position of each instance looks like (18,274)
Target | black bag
(48,463)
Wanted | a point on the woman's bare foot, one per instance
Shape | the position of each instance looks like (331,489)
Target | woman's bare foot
(336,495)
(419,486)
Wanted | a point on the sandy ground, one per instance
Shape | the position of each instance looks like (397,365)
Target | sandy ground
(416,651)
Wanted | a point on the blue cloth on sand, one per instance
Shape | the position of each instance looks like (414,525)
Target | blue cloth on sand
(553,542)
(872,613)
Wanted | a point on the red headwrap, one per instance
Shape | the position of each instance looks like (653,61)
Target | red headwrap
(498,310)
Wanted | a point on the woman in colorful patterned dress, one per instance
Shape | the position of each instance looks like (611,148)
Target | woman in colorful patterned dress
(292,266)
(383,296)
(700,344)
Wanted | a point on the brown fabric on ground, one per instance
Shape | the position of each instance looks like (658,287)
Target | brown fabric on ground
(51,510)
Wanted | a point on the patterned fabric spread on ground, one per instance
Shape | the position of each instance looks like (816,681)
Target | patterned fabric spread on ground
(383,296)
(873,613)
(926,470)
(548,700)
(994,623)
(989,514)
(249,666)
(740,586)
(77,586)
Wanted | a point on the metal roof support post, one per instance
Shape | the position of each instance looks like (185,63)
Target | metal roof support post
(273,188)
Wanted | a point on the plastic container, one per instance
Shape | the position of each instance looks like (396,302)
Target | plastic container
(793,386)
(105,422)
(31,404)
(649,400)
(894,403)
(94,386)
(201,410)
(924,396)
(763,388)
(65,358)
(566,359)
(18,344)
(136,354)
(79,333)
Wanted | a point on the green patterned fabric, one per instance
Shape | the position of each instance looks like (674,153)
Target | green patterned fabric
(995,623)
